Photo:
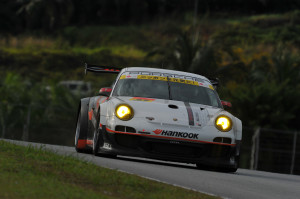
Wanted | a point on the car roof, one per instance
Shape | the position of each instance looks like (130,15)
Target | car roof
(159,70)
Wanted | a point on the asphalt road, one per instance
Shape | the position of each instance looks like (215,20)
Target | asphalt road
(243,184)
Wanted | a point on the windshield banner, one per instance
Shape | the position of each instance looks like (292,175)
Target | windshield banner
(171,79)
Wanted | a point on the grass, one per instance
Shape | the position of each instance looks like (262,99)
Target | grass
(29,172)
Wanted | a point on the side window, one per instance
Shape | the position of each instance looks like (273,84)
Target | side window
(213,98)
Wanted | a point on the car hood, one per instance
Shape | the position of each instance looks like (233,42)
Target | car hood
(168,112)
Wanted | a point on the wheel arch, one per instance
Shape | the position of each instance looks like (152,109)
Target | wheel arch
(82,121)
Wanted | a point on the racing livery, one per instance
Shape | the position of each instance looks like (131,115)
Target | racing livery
(161,114)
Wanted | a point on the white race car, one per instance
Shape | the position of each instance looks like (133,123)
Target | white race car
(161,114)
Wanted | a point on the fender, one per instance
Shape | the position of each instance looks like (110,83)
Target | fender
(103,112)
(238,130)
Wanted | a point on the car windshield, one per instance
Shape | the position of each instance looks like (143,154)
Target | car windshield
(166,89)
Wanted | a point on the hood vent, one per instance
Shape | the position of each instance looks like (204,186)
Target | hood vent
(173,106)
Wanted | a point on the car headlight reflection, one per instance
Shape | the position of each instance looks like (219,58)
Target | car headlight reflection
(223,123)
(124,112)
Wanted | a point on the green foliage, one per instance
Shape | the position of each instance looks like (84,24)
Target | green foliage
(35,107)
(244,52)
(260,29)
(47,15)
(271,90)
(189,53)
(269,104)
(52,15)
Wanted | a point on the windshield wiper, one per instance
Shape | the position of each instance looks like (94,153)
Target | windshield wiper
(169,88)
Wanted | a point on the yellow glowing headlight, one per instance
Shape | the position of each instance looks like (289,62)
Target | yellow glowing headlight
(124,112)
(223,123)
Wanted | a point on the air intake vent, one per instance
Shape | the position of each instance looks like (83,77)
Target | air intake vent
(222,140)
(127,129)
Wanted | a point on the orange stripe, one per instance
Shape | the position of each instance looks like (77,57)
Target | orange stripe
(104,100)
(157,136)
(98,101)
(91,114)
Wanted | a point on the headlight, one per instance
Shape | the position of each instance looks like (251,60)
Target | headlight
(124,112)
(223,123)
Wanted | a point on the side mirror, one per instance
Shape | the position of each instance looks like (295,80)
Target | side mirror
(226,104)
(105,91)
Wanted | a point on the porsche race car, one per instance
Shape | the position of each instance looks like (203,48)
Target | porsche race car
(159,114)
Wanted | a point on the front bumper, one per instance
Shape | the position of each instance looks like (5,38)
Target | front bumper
(129,144)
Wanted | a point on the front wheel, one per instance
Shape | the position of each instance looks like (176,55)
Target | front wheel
(97,140)
(80,145)
(82,128)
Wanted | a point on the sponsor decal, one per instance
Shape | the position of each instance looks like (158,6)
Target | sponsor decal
(173,138)
(199,82)
(174,142)
(123,77)
(158,131)
(142,99)
(176,134)
(107,146)
(151,77)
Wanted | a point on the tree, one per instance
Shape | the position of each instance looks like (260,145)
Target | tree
(189,53)
(46,14)
(271,88)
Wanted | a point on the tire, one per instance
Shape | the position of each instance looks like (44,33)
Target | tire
(204,167)
(231,170)
(228,170)
(97,140)
(77,133)
(82,128)
(220,169)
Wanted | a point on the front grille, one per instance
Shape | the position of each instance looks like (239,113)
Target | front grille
(218,151)
(222,140)
(130,141)
(183,150)
(175,150)
(201,150)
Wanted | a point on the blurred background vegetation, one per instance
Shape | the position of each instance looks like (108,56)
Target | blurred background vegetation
(252,46)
